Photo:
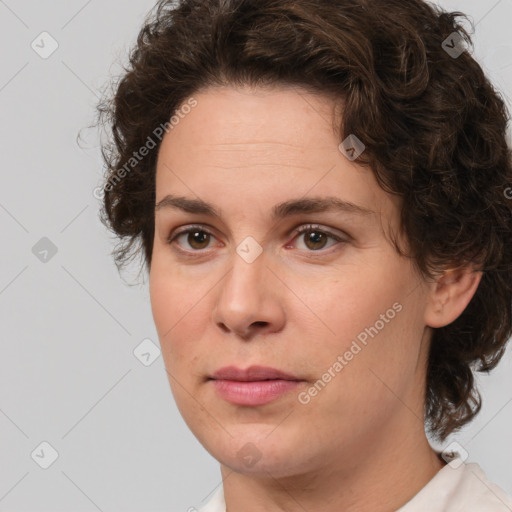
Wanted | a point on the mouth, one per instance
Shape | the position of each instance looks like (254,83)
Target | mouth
(253,373)
(256,385)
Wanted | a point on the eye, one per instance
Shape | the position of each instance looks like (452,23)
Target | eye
(316,238)
(197,237)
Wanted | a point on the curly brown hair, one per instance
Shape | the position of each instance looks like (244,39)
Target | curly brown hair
(433,125)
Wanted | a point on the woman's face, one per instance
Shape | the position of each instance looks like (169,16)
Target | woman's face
(335,307)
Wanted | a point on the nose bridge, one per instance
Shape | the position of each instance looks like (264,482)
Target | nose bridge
(243,285)
(244,297)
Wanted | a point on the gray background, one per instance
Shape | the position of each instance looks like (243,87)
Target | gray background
(69,325)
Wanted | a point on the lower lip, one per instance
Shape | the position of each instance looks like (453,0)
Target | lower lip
(254,392)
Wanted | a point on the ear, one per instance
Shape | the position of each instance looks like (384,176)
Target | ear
(450,294)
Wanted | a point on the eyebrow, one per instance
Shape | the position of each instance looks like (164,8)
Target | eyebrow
(279,211)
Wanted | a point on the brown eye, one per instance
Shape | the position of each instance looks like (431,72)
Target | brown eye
(317,239)
(196,237)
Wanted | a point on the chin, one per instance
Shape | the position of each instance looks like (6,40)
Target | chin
(256,450)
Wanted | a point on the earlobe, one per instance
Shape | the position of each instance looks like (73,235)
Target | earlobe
(450,294)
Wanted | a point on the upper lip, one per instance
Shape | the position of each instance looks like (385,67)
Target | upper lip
(253,373)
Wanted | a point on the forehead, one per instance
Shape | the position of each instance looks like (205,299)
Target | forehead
(253,145)
(259,123)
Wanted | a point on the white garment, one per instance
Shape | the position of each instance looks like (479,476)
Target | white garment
(457,487)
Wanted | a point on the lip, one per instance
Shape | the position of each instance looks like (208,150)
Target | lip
(253,373)
(256,385)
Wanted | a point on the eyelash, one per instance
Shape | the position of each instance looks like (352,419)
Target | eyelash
(297,233)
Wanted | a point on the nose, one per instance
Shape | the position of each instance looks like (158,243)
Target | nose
(249,301)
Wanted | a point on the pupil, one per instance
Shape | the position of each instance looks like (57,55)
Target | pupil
(315,237)
(198,237)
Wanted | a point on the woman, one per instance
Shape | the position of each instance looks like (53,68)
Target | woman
(318,189)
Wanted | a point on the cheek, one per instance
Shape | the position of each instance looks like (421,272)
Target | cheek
(163,304)
(369,318)
(168,305)
(180,310)
(169,292)
(380,360)
(343,308)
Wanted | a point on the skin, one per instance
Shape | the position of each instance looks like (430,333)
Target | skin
(360,443)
